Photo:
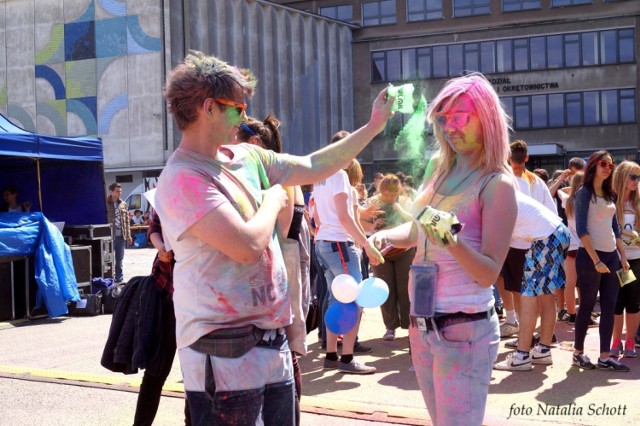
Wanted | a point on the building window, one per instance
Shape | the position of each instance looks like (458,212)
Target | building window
(539,112)
(517,5)
(590,55)
(561,3)
(572,50)
(424,10)
(504,55)
(488,57)
(386,66)
(521,54)
(626,46)
(557,110)
(462,8)
(538,53)
(341,13)
(424,62)
(454,53)
(378,13)
(628,106)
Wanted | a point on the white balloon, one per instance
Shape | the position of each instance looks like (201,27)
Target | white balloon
(345,288)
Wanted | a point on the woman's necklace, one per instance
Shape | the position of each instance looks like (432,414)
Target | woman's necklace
(443,196)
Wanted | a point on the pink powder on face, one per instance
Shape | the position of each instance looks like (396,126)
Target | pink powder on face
(463,136)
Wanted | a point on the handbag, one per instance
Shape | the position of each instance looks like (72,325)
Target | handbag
(313,317)
(296,331)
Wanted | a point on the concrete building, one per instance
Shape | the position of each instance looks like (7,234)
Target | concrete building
(566,70)
(97,67)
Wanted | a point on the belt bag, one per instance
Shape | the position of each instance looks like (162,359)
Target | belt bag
(229,342)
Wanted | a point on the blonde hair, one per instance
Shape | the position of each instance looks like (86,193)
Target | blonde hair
(620,176)
(354,171)
(494,119)
(576,182)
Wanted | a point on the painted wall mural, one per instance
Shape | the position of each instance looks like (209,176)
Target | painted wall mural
(83,68)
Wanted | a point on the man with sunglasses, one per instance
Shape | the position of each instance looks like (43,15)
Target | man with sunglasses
(231,296)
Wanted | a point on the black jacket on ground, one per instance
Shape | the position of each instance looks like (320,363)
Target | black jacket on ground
(140,336)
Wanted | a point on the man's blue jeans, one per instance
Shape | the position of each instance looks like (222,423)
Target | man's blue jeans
(119,244)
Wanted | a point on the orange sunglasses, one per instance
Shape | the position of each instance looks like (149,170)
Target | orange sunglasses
(240,108)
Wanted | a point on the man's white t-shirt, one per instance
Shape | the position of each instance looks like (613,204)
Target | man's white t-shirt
(323,193)
(534,221)
(537,190)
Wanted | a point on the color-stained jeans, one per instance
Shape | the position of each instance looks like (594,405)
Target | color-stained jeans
(454,373)
(335,259)
(254,389)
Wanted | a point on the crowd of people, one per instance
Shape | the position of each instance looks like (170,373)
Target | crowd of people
(481,238)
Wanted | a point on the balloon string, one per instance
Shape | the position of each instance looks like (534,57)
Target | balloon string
(344,264)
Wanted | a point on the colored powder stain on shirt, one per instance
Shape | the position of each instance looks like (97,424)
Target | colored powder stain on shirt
(227,307)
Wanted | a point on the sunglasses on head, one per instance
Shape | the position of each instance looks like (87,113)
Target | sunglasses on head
(459,119)
(604,164)
(634,177)
(240,108)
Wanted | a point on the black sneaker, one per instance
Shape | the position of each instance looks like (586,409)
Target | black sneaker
(612,364)
(572,319)
(563,315)
(583,361)
(361,349)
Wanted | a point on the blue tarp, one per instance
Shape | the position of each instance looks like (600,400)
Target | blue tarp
(66,172)
(23,234)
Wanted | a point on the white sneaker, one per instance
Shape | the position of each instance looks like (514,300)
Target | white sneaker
(539,357)
(507,329)
(513,363)
(389,335)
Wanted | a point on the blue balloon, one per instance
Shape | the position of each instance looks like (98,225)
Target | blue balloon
(373,293)
(341,317)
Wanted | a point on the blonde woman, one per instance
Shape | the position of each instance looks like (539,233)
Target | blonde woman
(453,349)
(625,185)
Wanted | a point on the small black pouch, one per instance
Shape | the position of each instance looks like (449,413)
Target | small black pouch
(423,286)
(229,342)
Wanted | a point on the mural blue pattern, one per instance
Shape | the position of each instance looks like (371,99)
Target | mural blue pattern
(86,39)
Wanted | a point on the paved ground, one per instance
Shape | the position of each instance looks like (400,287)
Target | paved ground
(50,375)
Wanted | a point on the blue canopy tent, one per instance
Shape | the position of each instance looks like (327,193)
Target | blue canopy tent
(63,177)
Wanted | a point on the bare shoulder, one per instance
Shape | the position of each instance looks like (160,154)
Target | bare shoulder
(501,188)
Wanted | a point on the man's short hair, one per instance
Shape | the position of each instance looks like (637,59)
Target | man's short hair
(113,186)
(339,135)
(11,189)
(200,77)
(377,175)
(519,151)
(542,174)
(576,163)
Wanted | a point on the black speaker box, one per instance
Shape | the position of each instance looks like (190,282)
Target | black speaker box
(22,284)
(82,265)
